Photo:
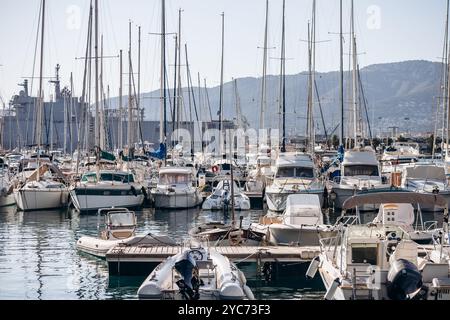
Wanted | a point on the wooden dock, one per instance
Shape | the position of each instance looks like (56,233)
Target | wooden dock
(139,260)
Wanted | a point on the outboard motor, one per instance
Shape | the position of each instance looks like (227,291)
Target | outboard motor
(403,279)
(188,285)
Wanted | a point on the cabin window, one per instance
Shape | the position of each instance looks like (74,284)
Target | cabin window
(351,171)
(226,167)
(116,177)
(364,255)
(168,178)
(108,177)
(295,173)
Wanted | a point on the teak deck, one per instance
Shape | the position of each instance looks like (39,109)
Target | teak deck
(235,254)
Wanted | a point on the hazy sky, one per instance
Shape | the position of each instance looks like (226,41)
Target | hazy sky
(387,31)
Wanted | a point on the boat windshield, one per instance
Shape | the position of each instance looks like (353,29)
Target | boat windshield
(121,219)
(364,254)
(361,170)
(299,172)
(174,178)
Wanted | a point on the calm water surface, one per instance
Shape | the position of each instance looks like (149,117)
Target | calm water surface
(38,259)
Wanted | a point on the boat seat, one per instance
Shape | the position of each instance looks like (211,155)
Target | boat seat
(121,234)
(434,270)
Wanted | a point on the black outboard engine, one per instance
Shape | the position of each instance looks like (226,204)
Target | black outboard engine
(188,285)
(403,279)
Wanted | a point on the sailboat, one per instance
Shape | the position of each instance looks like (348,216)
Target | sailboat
(358,169)
(295,173)
(105,187)
(41,190)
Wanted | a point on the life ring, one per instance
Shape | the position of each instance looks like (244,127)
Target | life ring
(215,169)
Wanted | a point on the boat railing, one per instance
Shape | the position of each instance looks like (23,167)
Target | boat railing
(348,220)
(430,225)
(329,244)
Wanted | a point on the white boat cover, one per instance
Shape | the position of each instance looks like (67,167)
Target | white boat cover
(303,209)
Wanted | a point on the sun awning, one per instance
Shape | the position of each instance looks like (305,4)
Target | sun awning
(395,197)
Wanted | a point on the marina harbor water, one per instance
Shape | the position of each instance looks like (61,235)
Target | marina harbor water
(136,172)
(38,258)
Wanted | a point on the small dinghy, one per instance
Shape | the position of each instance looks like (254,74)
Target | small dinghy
(196,273)
(221,198)
(119,229)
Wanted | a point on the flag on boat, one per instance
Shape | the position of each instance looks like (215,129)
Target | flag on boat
(160,153)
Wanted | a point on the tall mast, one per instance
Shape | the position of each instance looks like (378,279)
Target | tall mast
(190,98)
(130,97)
(174,111)
(97,105)
(264,77)
(341,77)
(313,79)
(120,133)
(102,106)
(237,104)
(447,80)
(163,125)
(41,95)
(310,91)
(355,79)
(283,79)
(179,93)
(66,112)
(51,124)
(84,107)
(71,114)
(221,76)
(138,102)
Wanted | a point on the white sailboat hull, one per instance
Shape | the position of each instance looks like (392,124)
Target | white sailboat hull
(92,202)
(41,199)
(7,200)
(177,200)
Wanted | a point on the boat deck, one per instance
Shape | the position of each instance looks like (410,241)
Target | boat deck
(235,254)
(138,260)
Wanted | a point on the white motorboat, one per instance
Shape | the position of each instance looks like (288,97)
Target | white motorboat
(196,273)
(259,175)
(380,261)
(301,223)
(294,174)
(107,188)
(44,189)
(399,154)
(426,178)
(176,189)
(359,172)
(118,229)
(221,197)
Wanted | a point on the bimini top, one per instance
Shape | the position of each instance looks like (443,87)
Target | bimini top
(365,157)
(395,197)
(176,170)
